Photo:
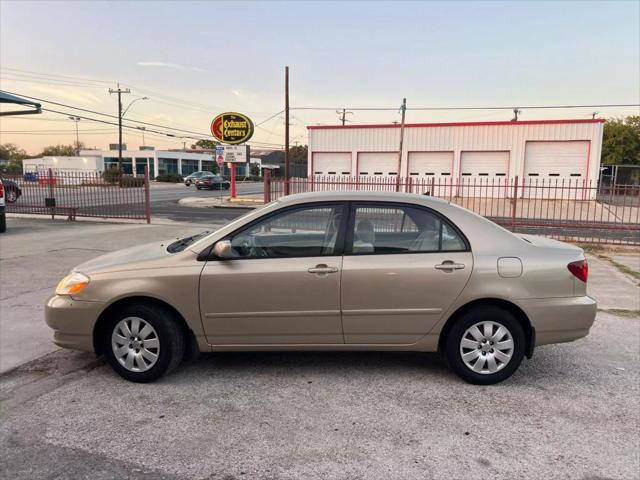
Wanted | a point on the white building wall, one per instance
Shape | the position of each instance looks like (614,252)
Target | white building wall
(84,163)
(508,136)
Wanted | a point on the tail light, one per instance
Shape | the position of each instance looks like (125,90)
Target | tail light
(580,269)
(1,190)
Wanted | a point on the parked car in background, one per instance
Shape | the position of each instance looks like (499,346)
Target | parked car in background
(212,182)
(3,216)
(331,271)
(11,190)
(191,178)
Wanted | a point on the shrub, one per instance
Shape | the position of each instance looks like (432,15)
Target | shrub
(112,175)
(170,177)
(131,182)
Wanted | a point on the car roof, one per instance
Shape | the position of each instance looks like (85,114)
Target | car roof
(361,196)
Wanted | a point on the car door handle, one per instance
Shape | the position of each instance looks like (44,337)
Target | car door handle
(322,269)
(448,265)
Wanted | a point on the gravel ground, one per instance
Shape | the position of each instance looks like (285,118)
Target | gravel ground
(571,412)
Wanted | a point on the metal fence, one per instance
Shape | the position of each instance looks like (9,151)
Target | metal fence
(79,194)
(566,209)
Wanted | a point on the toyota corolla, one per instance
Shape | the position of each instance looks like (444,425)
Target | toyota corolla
(331,271)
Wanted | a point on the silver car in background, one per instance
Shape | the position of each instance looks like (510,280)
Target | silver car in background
(331,271)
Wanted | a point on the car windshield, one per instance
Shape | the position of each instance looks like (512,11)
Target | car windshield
(182,243)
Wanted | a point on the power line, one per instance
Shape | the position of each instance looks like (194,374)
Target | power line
(204,135)
(530,107)
(39,74)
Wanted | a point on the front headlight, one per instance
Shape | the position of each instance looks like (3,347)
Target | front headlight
(72,284)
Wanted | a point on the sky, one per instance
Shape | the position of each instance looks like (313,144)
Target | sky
(195,59)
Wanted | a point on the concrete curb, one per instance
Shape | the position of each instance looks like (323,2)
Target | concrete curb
(200,202)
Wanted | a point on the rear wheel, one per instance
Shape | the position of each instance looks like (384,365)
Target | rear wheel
(143,342)
(485,345)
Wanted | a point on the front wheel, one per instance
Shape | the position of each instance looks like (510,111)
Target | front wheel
(187,183)
(485,345)
(143,342)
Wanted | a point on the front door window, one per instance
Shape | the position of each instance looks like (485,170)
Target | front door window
(303,232)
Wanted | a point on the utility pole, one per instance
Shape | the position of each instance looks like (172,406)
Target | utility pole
(76,120)
(403,109)
(142,129)
(286,130)
(119,91)
(343,115)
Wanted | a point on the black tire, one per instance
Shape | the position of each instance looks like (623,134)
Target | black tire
(11,195)
(3,223)
(169,333)
(198,188)
(466,321)
(187,183)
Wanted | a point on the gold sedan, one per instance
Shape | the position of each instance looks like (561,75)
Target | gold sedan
(331,271)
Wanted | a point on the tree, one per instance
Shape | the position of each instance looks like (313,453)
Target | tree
(298,155)
(60,150)
(621,141)
(10,151)
(208,144)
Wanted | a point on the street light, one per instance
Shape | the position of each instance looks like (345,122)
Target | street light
(132,102)
(142,129)
(76,120)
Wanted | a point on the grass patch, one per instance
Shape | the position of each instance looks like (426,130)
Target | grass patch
(619,312)
(624,269)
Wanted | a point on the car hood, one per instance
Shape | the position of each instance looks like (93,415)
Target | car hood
(127,259)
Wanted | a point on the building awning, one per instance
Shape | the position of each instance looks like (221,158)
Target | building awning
(8,98)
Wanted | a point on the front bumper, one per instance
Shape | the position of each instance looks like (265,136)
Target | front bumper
(558,320)
(72,321)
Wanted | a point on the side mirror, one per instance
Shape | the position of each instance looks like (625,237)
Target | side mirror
(223,249)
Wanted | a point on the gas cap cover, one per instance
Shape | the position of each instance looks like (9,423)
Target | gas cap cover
(509,267)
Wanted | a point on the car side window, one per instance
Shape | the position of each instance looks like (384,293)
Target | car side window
(402,229)
(302,232)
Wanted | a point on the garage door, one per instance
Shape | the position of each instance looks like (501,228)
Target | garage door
(427,167)
(554,164)
(333,163)
(484,173)
(377,163)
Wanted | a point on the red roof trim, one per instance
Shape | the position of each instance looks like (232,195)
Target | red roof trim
(458,124)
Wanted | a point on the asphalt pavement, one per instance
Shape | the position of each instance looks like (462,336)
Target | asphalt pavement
(570,412)
(164,203)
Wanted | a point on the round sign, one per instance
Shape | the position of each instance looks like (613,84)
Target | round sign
(232,128)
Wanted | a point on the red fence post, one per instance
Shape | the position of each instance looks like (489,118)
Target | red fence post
(53,209)
(267,185)
(514,203)
(147,196)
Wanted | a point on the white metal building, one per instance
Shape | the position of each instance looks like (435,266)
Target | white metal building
(133,161)
(541,149)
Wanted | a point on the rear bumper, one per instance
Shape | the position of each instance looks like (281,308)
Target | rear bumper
(557,320)
(72,321)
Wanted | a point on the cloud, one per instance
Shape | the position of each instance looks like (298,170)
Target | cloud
(177,66)
(71,94)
